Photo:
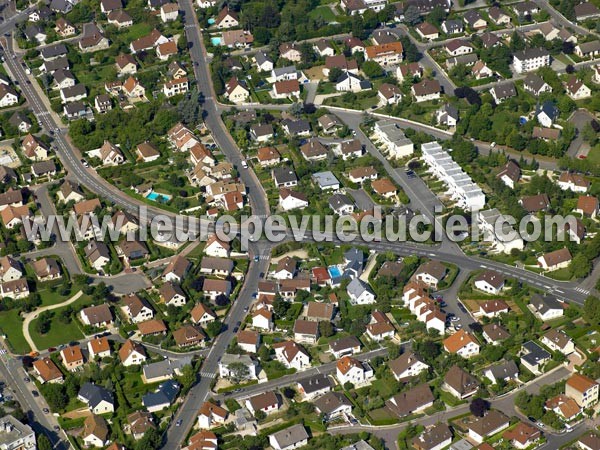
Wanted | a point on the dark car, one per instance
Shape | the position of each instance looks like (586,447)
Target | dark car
(52,349)
(46,410)
(35,393)
(532,419)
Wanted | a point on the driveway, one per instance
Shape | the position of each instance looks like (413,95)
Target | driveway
(579,119)
(451,298)
(362,199)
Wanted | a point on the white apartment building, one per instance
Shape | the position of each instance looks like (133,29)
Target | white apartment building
(461,188)
(531,59)
(398,145)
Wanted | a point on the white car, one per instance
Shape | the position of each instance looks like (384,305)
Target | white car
(244,164)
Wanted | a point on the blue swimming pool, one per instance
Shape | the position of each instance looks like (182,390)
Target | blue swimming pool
(211,21)
(215,41)
(157,197)
(334,271)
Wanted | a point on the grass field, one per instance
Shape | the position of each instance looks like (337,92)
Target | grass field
(60,333)
(324,12)
(11,325)
(593,156)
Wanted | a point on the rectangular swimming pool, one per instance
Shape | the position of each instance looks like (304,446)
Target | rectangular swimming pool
(157,197)
(334,271)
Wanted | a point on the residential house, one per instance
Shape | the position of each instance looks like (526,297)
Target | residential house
(72,358)
(498,16)
(137,309)
(289,200)
(458,47)
(346,346)
(505,371)
(248,340)
(188,336)
(558,341)
(412,401)
(426,90)
(97,316)
(407,366)
(360,293)
(491,423)
(535,85)
(558,259)
(267,402)
(380,327)
(211,415)
(385,54)
(139,423)
(289,438)
(162,398)
(474,20)
(447,115)
(132,354)
(314,386)
(574,182)
(177,269)
(202,315)
(583,390)
(351,370)
(510,174)
(490,282)
(522,436)
(47,371)
(95,431)
(460,383)
(435,437)
(534,357)
(98,399)
(99,347)
(547,113)
(504,91)
(462,343)
(292,355)
(427,31)
(576,89)
(226,19)
(262,319)
(587,206)
(333,405)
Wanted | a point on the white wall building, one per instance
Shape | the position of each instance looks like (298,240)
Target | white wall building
(460,186)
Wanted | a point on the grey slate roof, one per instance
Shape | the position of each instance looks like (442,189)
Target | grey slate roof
(504,370)
(95,394)
(165,368)
(165,394)
(315,383)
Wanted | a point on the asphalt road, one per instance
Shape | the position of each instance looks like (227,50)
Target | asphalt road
(12,373)
(186,415)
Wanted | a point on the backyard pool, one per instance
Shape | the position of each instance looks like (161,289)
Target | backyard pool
(211,21)
(215,41)
(157,197)
(334,271)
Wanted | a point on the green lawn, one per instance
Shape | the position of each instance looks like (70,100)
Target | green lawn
(593,156)
(381,417)
(11,325)
(324,12)
(560,274)
(60,333)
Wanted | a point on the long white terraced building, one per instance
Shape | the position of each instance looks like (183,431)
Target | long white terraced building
(467,194)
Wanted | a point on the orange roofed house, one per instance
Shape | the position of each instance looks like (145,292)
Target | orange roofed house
(47,371)
(72,357)
(385,54)
(462,343)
